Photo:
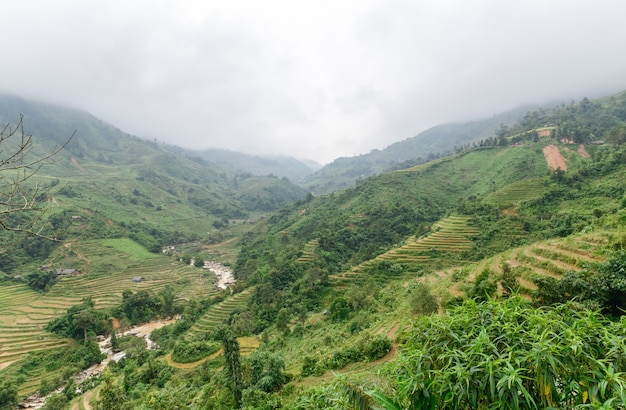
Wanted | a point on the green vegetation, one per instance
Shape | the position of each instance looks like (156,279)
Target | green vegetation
(189,352)
(500,353)
(431,144)
(479,280)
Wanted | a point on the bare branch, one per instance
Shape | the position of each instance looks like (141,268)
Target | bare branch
(22,199)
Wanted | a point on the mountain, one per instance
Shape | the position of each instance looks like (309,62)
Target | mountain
(432,143)
(282,166)
(120,185)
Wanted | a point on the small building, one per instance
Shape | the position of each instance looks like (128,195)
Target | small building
(138,279)
(67,272)
(598,142)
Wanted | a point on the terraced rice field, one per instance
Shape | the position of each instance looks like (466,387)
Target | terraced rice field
(218,314)
(22,318)
(452,234)
(551,258)
(24,313)
(308,252)
(519,191)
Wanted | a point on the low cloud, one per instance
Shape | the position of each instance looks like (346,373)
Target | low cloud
(312,80)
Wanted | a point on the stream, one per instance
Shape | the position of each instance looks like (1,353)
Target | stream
(224,278)
(224,274)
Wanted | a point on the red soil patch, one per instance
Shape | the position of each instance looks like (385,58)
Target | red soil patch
(583,152)
(554,158)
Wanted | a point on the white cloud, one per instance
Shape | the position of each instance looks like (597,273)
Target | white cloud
(309,79)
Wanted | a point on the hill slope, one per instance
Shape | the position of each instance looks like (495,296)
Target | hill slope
(437,141)
(108,183)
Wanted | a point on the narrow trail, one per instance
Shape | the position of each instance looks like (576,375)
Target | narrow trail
(391,335)
(87,398)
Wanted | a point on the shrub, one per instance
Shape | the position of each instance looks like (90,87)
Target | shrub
(422,301)
(189,352)
(309,365)
(373,348)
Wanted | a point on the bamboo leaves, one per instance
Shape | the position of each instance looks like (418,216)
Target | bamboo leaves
(508,354)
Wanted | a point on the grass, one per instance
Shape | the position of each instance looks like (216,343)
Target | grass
(129,247)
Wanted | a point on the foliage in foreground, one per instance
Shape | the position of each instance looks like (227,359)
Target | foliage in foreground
(503,354)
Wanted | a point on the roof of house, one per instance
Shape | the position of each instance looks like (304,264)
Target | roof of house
(66,271)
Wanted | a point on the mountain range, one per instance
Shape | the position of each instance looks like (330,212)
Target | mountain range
(473,265)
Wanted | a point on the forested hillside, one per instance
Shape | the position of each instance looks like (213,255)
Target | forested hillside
(489,278)
(435,142)
(106,183)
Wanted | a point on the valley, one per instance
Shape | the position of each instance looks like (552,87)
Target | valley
(510,250)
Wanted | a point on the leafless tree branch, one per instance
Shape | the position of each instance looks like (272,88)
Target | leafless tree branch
(23,201)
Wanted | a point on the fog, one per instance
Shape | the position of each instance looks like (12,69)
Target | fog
(313,80)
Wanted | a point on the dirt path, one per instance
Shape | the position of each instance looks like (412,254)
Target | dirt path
(171,362)
(80,256)
(554,158)
(87,398)
(77,165)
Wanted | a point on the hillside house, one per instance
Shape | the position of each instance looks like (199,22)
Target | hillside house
(67,272)
(138,279)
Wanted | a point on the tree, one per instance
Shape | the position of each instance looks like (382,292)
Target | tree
(22,207)
(282,321)
(41,281)
(112,395)
(8,393)
(167,297)
(423,302)
(484,287)
(266,371)
(84,319)
(233,360)
(510,284)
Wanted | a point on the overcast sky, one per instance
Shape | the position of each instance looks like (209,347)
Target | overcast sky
(316,79)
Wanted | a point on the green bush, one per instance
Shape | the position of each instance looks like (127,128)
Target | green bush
(422,301)
(309,366)
(189,352)
(374,347)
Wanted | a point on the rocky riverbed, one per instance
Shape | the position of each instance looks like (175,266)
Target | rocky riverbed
(223,273)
